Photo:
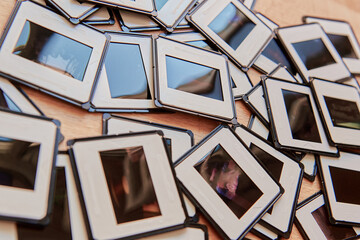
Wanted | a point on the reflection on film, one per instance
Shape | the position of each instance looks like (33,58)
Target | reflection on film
(53,50)
(313,53)
(18,163)
(130,185)
(331,232)
(229,181)
(301,116)
(340,178)
(343,113)
(159,4)
(232,26)
(193,78)
(125,72)
(59,227)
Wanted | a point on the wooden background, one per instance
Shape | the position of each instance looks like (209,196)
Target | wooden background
(76,122)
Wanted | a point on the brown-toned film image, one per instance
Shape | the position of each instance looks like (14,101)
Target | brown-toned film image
(193,78)
(6,102)
(313,53)
(346,185)
(232,26)
(126,72)
(331,232)
(18,163)
(343,113)
(301,116)
(343,45)
(229,181)
(130,185)
(59,227)
(53,50)
(273,164)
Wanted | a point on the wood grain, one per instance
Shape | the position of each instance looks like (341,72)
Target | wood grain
(77,123)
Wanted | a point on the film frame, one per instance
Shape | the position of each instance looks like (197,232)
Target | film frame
(114,91)
(178,140)
(283,168)
(339,106)
(240,81)
(50,76)
(256,35)
(77,228)
(340,200)
(210,67)
(343,38)
(163,191)
(255,97)
(225,219)
(325,63)
(281,96)
(20,132)
(312,228)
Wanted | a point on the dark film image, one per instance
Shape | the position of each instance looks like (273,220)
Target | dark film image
(346,185)
(18,163)
(6,102)
(343,113)
(314,53)
(342,45)
(272,164)
(233,85)
(301,116)
(169,145)
(53,50)
(193,78)
(229,181)
(59,227)
(232,26)
(125,72)
(275,53)
(130,185)
(331,232)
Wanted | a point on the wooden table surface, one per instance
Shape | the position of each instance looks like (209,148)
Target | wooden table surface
(77,123)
